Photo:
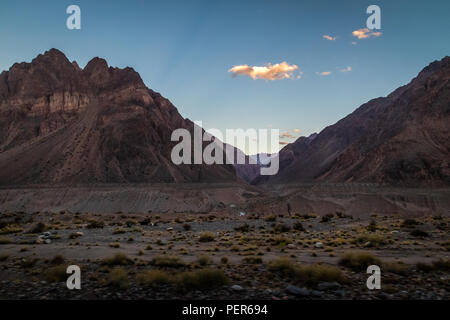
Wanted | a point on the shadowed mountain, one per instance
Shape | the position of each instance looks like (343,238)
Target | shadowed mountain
(401,138)
(63,124)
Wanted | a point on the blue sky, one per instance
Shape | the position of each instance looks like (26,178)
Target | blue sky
(184,50)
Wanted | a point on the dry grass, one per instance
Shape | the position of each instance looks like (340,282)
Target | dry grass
(358,260)
(118,278)
(206,237)
(309,275)
(57,274)
(167,261)
(204,279)
(119,259)
(153,278)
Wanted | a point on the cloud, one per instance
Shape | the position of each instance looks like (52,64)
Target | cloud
(324,73)
(296,130)
(348,69)
(283,142)
(286,135)
(365,33)
(354,43)
(268,72)
(329,37)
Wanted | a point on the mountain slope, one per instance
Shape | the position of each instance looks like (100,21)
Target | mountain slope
(63,124)
(401,138)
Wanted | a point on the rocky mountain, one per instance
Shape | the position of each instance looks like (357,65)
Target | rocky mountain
(63,124)
(401,138)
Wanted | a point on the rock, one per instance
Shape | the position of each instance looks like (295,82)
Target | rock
(169,229)
(318,245)
(39,240)
(323,286)
(79,234)
(237,287)
(48,241)
(296,291)
(291,246)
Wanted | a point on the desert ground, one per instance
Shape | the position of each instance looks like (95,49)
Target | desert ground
(225,242)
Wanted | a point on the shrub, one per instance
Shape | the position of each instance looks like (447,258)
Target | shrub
(57,260)
(118,278)
(206,237)
(224,260)
(397,268)
(5,241)
(57,274)
(187,227)
(372,240)
(119,231)
(152,278)
(280,241)
(409,223)
(4,257)
(372,227)
(358,260)
(252,260)
(12,228)
(419,233)
(119,259)
(283,266)
(438,265)
(38,228)
(243,228)
(74,235)
(203,279)
(28,263)
(114,245)
(204,260)
(326,218)
(94,224)
(299,226)
(280,228)
(167,261)
(311,275)
(270,218)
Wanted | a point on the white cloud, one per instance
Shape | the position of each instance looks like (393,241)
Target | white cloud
(268,72)
(329,37)
(348,69)
(365,33)
(324,73)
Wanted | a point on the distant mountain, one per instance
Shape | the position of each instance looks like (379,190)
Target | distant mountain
(63,124)
(401,138)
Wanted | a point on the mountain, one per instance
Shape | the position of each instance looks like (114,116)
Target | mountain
(401,138)
(63,124)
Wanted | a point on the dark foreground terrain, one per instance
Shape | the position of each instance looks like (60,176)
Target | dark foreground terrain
(237,252)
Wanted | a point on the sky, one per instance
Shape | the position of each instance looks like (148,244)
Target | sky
(297,66)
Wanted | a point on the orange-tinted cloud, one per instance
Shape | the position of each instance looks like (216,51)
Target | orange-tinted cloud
(286,135)
(296,130)
(283,142)
(348,69)
(324,73)
(365,33)
(329,37)
(268,72)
